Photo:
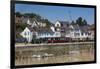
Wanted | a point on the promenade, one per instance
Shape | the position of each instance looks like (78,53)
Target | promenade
(49,44)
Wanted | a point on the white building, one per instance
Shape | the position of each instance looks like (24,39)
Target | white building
(72,30)
(75,31)
(60,29)
(63,28)
(27,33)
(46,33)
(34,23)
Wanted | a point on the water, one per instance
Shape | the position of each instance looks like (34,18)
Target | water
(60,54)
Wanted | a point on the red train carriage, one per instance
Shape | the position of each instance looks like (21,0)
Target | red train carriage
(60,40)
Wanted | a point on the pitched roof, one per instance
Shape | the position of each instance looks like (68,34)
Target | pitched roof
(24,20)
(84,28)
(64,23)
(32,20)
(30,28)
(43,30)
(75,26)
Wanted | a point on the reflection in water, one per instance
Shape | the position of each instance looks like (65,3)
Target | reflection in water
(61,54)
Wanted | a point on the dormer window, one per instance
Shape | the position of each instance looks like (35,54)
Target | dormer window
(58,25)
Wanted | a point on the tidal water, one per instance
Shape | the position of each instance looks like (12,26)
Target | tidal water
(55,54)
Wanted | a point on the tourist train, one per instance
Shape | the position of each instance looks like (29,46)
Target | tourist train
(60,40)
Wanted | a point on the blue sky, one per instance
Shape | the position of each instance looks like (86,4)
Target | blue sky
(54,13)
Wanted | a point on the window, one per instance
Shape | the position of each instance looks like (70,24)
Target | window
(38,34)
(28,33)
(25,33)
(62,38)
(76,34)
(56,38)
(47,34)
(57,25)
(89,33)
(81,33)
(41,34)
(51,38)
(86,33)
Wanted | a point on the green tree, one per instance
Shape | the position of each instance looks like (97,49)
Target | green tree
(20,26)
(81,22)
(84,22)
(34,15)
(72,22)
(47,22)
(18,14)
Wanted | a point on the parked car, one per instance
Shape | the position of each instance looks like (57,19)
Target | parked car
(20,40)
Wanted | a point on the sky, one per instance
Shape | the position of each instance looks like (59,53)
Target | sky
(54,13)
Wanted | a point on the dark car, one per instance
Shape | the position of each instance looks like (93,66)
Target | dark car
(20,40)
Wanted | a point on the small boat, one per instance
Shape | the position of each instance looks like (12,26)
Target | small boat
(42,56)
(36,56)
(74,52)
(48,55)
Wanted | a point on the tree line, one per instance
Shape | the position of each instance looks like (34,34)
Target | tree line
(80,21)
(33,15)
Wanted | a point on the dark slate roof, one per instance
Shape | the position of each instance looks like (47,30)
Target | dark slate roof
(32,20)
(30,28)
(76,26)
(84,28)
(52,24)
(64,23)
(43,30)
(24,20)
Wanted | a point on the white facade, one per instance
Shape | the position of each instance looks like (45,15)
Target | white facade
(28,22)
(45,35)
(57,24)
(68,34)
(57,34)
(35,23)
(27,34)
(52,28)
(72,32)
(91,36)
(41,24)
(75,34)
(79,34)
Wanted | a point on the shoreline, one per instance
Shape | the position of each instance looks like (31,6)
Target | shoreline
(50,44)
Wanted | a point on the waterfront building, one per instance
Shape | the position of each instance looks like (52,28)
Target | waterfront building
(27,33)
(36,30)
